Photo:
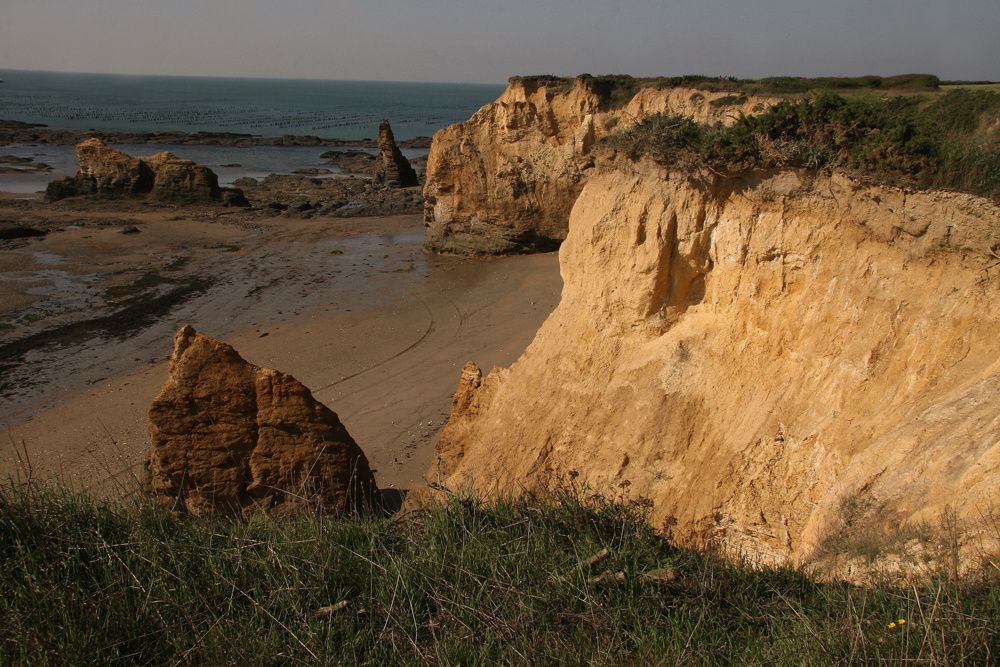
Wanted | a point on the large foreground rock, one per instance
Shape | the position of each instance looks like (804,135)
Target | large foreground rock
(506,179)
(106,172)
(229,436)
(791,368)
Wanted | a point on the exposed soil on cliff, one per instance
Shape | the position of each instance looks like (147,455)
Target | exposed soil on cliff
(354,308)
(789,367)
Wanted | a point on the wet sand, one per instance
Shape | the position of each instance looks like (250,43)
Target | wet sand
(355,309)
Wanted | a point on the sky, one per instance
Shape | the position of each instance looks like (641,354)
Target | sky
(489,40)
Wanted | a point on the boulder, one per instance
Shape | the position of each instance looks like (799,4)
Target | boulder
(68,186)
(229,436)
(112,172)
(394,170)
(233,197)
(179,180)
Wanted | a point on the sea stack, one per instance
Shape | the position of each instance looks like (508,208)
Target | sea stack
(394,170)
(229,436)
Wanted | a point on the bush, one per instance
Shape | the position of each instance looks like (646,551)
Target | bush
(728,100)
(952,141)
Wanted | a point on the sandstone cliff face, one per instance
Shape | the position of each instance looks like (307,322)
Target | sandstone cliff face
(506,179)
(782,366)
(106,172)
(229,436)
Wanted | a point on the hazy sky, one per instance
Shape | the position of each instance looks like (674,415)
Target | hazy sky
(489,40)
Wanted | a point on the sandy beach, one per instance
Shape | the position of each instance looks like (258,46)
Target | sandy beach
(354,308)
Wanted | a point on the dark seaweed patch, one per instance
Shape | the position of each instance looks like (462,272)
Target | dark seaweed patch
(9,233)
(137,311)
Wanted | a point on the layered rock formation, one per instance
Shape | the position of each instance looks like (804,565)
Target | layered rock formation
(786,366)
(106,172)
(230,436)
(393,170)
(506,179)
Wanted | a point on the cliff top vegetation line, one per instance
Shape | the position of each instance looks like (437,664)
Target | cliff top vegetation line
(950,141)
(618,89)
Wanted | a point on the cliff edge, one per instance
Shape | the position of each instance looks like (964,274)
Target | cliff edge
(784,365)
(506,179)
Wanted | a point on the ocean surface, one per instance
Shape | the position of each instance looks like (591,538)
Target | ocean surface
(265,107)
(268,107)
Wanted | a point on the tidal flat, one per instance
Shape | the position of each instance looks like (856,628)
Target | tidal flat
(355,308)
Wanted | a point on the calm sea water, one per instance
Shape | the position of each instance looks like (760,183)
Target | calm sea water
(269,107)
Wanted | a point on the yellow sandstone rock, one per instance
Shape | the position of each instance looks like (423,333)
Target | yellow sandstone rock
(506,179)
(230,436)
(779,364)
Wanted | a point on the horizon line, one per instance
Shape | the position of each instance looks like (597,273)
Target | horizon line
(466,83)
(255,78)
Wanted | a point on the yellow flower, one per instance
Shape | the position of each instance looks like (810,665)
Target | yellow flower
(902,621)
(892,626)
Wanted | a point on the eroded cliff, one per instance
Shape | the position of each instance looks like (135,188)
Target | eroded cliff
(506,179)
(784,365)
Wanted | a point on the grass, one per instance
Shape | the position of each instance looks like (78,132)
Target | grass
(465,583)
(949,141)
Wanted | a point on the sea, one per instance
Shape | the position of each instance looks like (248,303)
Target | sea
(265,107)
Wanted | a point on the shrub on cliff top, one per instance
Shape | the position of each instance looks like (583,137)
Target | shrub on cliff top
(801,84)
(618,89)
(952,141)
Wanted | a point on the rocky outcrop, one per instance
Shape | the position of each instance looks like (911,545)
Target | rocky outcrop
(506,179)
(106,172)
(176,179)
(301,196)
(353,161)
(393,170)
(16,164)
(230,436)
(789,367)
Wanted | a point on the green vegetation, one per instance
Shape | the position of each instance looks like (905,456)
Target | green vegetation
(779,85)
(728,100)
(949,141)
(618,89)
(465,583)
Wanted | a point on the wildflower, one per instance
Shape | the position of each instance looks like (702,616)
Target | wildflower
(892,626)
(901,621)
